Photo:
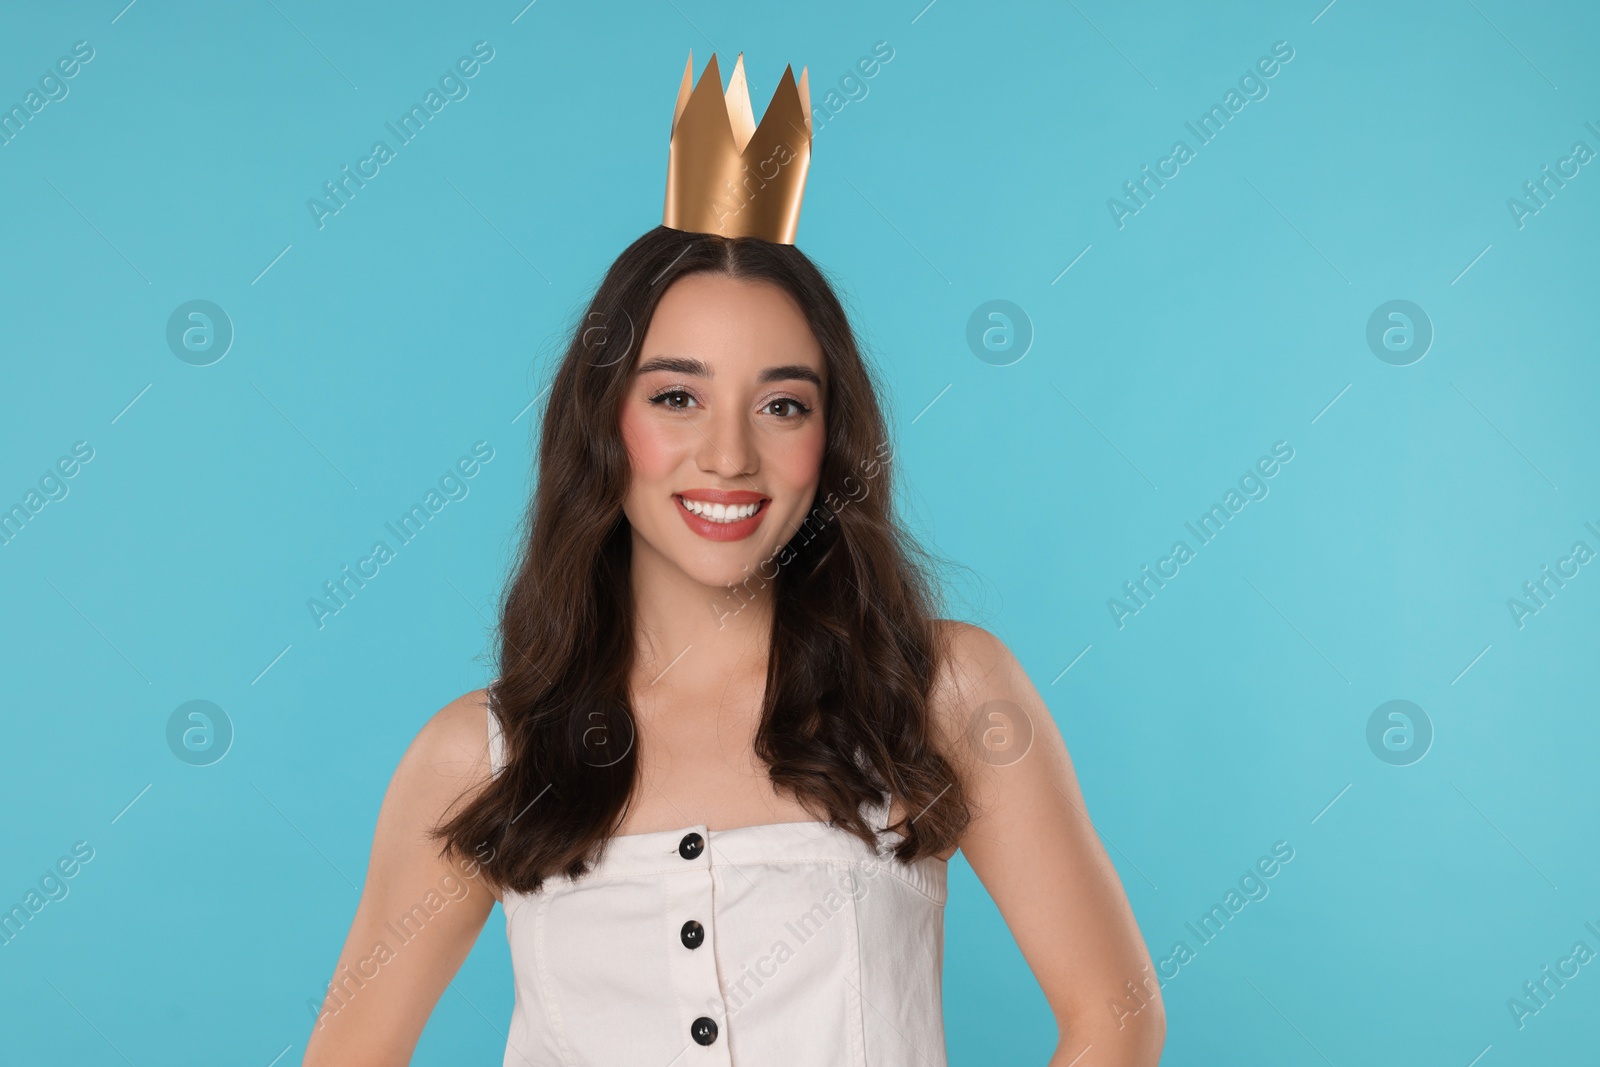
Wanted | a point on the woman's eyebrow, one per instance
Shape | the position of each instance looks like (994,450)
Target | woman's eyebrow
(676,365)
(790,372)
(683,365)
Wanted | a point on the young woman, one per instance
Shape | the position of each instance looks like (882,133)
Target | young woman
(730,749)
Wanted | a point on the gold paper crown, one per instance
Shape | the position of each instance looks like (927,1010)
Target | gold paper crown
(725,174)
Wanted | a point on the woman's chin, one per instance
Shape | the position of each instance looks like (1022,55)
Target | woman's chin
(730,571)
(725,577)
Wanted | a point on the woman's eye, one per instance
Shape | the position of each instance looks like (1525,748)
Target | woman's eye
(794,407)
(676,399)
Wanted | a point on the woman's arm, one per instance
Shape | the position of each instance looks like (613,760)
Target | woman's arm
(419,915)
(1036,852)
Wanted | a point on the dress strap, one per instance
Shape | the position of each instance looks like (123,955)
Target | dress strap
(497,744)
(876,812)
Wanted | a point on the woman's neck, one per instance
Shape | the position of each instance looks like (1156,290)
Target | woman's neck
(702,635)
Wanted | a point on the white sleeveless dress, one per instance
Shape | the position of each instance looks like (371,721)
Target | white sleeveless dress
(784,945)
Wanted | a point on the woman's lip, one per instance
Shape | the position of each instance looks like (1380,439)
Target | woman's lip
(722,496)
(722,531)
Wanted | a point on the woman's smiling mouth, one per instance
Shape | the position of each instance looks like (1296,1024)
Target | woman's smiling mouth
(721,514)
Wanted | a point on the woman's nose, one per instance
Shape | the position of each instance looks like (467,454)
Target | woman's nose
(729,446)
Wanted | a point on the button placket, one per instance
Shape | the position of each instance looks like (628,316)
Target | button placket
(693,967)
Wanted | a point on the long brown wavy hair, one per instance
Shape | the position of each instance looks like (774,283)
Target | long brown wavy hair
(854,646)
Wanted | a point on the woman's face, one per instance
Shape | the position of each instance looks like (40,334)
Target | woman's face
(724,427)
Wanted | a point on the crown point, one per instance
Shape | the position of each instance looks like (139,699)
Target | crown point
(741,116)
(712,70)
(804,89)
(685,90)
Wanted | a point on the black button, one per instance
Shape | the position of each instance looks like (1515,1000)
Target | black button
(703,1030)
(689,848)
(692,934)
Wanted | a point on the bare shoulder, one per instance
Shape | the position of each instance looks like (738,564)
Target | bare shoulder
(975,668)
(990,716)
(456,737)
(446,763)
(969,653)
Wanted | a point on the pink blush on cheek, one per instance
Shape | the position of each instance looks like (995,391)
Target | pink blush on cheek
(652,449)
(800,460)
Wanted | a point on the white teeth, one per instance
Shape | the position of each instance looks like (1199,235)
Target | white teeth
(720,512)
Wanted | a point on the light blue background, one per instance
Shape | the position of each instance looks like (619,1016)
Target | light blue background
(1227,315)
